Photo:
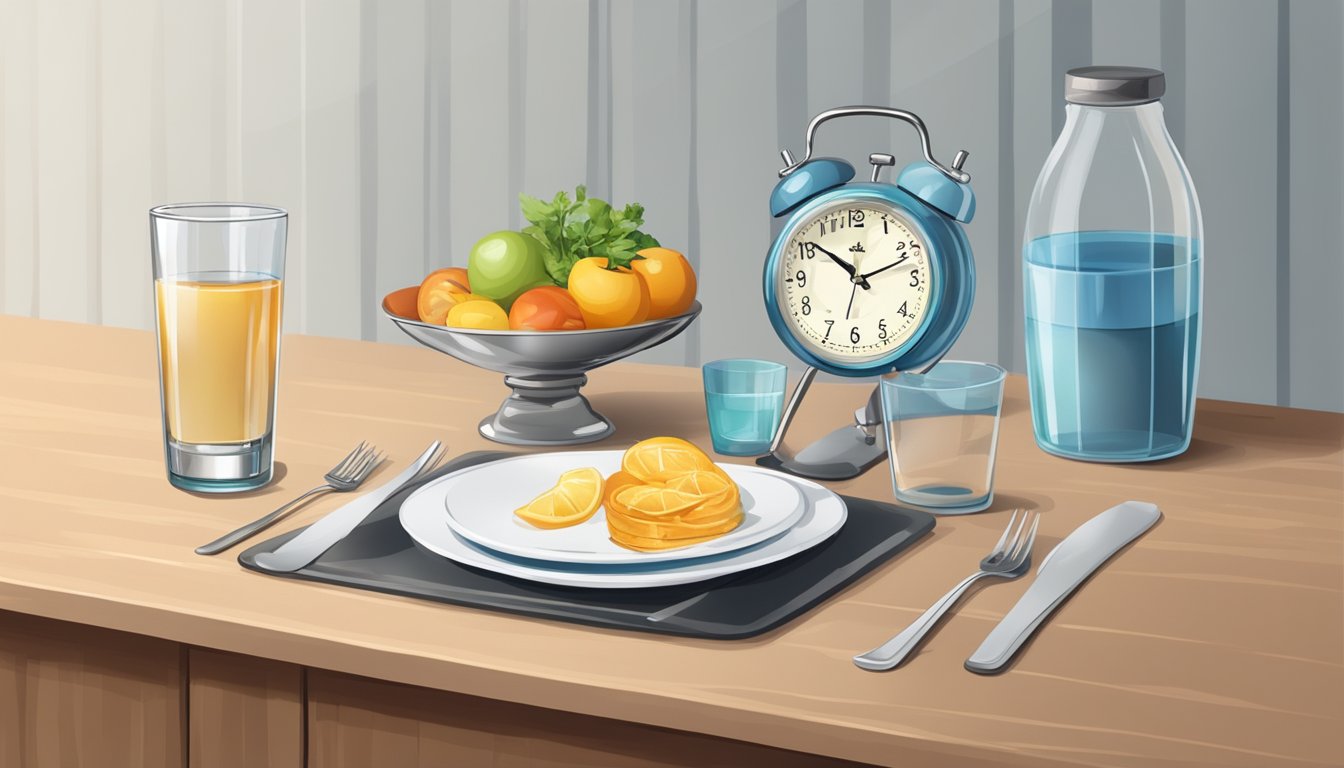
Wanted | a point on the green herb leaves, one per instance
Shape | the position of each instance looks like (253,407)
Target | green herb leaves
(585,227)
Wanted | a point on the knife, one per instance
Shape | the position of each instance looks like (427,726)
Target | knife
(1068,565)
(336,525)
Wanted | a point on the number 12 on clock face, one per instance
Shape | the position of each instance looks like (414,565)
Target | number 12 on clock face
(853,285)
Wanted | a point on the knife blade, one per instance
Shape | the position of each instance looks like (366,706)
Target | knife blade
(322,535)
(1068,565)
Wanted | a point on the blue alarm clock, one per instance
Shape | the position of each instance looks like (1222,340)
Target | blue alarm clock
(866,278)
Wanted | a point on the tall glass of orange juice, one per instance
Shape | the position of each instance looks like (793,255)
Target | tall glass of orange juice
(218,286)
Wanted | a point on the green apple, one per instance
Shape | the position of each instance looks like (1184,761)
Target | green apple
(504,264)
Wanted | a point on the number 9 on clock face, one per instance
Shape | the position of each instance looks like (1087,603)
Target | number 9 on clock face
(853,282)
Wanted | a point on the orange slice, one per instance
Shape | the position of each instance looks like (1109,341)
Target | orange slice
(719,492)
(659,459)
(655,501)
(698,513)
(439,292)
(673,529)
(703,483)
(642,544)
(619,481)
(575,497)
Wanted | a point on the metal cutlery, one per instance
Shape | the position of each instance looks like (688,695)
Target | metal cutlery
(347,475)
(1010,558)
(336,525)
(1067,566)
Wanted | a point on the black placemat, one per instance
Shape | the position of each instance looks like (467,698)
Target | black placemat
(378,555)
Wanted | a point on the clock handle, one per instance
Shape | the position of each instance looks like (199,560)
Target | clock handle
(792,408)
(954,172)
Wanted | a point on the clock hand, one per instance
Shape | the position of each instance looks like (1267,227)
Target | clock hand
(843,264)
(896,263)
(852,292)
(849,268)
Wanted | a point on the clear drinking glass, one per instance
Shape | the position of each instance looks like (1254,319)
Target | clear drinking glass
(942,432)
(744,400)
(218,272)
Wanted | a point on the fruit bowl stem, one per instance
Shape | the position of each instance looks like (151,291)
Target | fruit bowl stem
(545,410)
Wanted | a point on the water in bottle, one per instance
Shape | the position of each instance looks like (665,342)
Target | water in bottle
(1113,277)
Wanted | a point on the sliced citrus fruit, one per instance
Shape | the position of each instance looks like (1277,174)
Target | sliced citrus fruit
(700,511)
(703,483)
(617,482)
(655,500)
(720,494)
(575,497)
(643,544)
(659,459)
(673,529)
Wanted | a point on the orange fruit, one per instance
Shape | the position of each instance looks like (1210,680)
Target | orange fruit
(548,308)
(659,459)
(573,499)
(608,298)
(479,314)
(670,279)
(437,292)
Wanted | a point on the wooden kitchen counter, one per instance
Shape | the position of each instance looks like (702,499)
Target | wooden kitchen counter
(1217,639)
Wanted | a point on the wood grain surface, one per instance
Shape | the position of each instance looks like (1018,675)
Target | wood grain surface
(1217,639)
(355,722)
(74,695)
(244,711)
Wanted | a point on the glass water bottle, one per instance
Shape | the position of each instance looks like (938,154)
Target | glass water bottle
(1113,277)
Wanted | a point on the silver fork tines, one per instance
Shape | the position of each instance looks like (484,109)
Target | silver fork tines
(1009,559)
(1012,544)
(348,474)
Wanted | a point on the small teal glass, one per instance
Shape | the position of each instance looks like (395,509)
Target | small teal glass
(942,432)
(744,400)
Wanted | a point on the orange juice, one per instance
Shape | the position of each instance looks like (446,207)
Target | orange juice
(218,346)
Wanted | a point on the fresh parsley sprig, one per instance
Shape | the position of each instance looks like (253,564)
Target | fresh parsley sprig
(573,230)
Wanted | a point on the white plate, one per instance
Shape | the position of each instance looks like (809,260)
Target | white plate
(480,502)
(422,517)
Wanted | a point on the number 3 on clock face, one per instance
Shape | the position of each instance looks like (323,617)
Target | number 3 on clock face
(853,282)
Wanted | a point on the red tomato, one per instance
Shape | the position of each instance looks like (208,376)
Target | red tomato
(549,308)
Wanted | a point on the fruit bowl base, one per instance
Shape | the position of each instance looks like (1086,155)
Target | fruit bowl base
(545,411)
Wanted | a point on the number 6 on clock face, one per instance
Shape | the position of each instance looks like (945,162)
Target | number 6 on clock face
(855,282)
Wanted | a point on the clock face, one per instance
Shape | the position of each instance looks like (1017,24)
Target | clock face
(854,282)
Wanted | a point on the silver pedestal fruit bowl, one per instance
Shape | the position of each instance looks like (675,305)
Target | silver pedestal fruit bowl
(545,369)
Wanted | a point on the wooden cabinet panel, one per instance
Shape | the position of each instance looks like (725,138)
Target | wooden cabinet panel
(355,722)
(243,711)
(75,695)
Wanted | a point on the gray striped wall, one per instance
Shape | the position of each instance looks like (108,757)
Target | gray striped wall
(398,131)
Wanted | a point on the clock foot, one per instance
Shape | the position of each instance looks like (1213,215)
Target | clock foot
(847,452)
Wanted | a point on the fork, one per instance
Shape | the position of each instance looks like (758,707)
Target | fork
(1009,559)
(348,474)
